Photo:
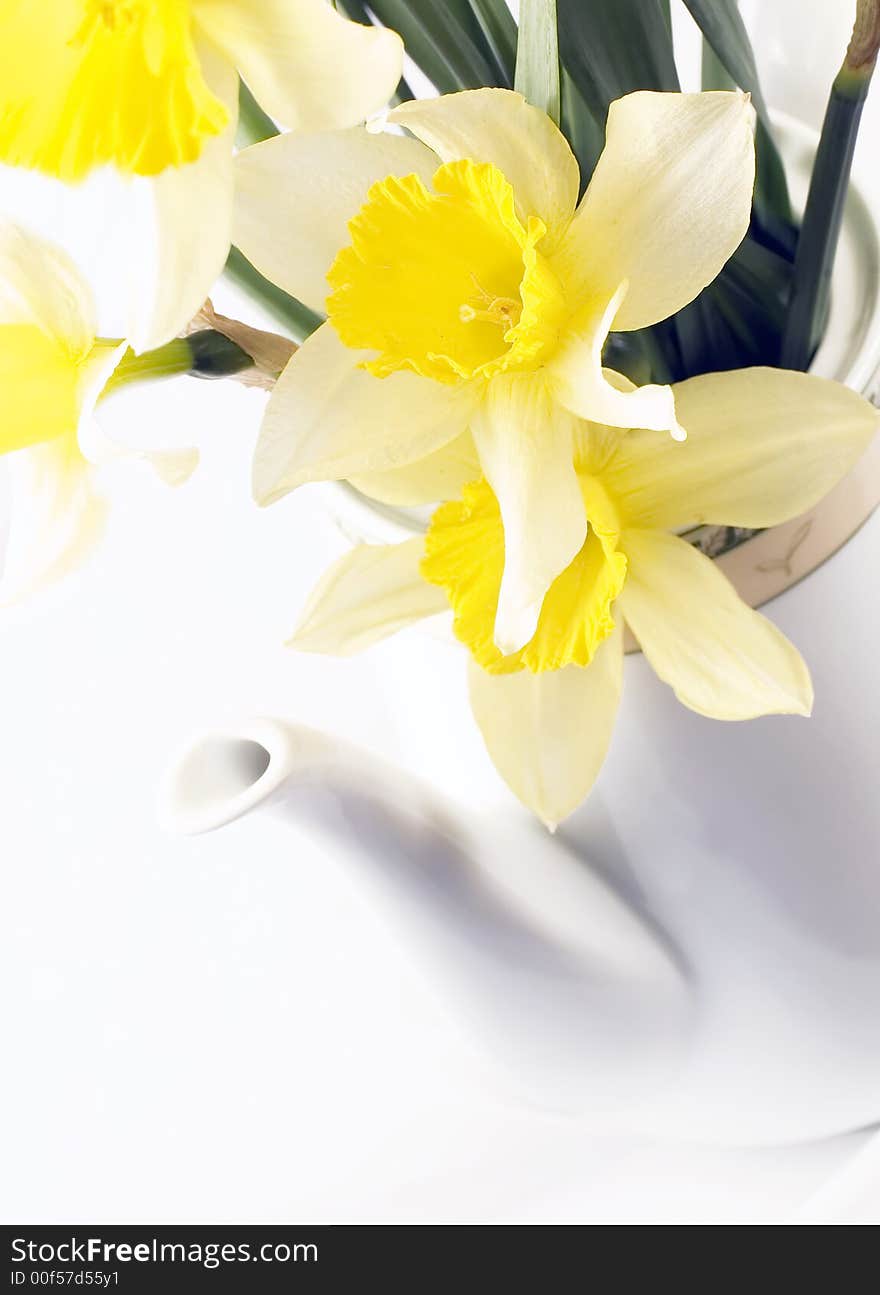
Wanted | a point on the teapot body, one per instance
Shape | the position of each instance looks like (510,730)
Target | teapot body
(755,848)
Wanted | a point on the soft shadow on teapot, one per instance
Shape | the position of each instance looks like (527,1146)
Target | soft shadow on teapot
(583,1000)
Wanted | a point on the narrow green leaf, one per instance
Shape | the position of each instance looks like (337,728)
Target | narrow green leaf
(823,215)
(713,74)
(738,320)
(721,24)
(537,56)
(499,32)
(444,40)
(723,28)
(580,128)
(612,47)
(254,125)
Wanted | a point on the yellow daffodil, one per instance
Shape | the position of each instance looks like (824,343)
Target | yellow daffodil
(469,288)
(53,368)
(150,87)
(763,446)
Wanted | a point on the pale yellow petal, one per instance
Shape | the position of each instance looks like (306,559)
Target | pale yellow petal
(526,448)
(367,595)
(763,446)
(721,658)
(58,517)
(40,285)
(38,387)
(668,203)
(46,391)
(173,467)
(498,126)
(580,383)
(183,254)
(295,194)
(328,419)
(433,479)
(307,66)
(548,734)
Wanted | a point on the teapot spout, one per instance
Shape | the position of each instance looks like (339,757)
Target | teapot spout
(566,981)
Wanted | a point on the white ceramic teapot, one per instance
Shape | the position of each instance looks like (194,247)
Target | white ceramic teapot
(697,951)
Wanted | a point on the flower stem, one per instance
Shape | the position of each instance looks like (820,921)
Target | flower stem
(205,354)
(823,216)
(165,362)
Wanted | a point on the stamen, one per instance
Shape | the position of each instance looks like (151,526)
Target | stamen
(503,311)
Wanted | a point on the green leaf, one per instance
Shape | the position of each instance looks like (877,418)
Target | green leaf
(724,30)
(714,75)
(612,47)
(499,32)
(254,125)
(580,128)
(722,25)
(296,318)
(738,320)
(537,56)
(444,40)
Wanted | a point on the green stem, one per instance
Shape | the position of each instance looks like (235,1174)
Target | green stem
(165,362)
(205,354)
(823,216)
(298,320)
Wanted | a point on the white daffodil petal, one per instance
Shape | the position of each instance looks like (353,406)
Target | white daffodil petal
(582,385)
(307,66)
(526,448)
(94,374)
(191,226)
(721,658)
(39,284)
(668,203)
(295,194)
(173,467)
(498,126)
(433,479)
(548,734)
(763,446)
(367,595)
(57,517)
(328,418)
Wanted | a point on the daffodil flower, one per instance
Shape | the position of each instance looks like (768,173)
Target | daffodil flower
(763,446)
(150,87)
(469,288)
(53,369)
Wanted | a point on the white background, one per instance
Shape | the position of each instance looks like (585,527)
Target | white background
(224,1028)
